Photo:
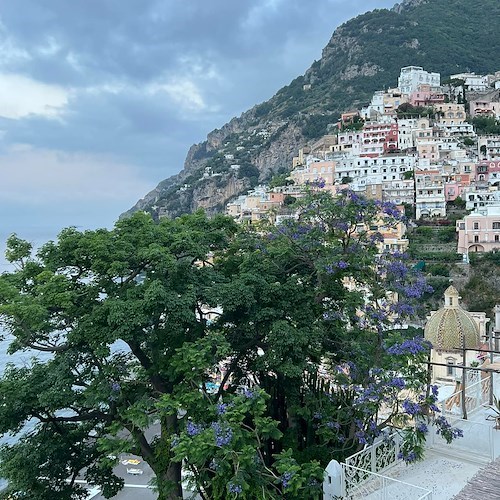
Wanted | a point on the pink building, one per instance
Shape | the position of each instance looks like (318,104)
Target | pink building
(488,172)
(484,108)
(426,95)
(455,185)
(479,231)
(379,138)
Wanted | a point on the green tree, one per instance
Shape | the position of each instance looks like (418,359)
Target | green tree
(301,330)
(141,285)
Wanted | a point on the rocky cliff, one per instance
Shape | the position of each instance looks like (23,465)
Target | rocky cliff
(363,55)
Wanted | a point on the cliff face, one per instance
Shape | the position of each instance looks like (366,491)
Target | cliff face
(363,55)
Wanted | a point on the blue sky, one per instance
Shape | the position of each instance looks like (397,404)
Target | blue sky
(101,99)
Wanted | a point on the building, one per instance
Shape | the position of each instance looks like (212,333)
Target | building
(412,76)
(485,108)
(479,231)
(472,81)
(478,198)
(427,95)
(489,147)
(399,191)
(368,171)
(379,138)
(430,200)
(314,170)
(450,330)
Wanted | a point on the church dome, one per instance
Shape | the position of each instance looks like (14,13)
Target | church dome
(451,327)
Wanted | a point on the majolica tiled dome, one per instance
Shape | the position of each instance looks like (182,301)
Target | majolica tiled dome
(451,327)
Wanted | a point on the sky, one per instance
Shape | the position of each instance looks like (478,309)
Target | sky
(101,99)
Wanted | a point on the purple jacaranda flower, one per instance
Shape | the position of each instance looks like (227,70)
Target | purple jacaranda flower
(235,488)
(411,408)
(408,457)
(422,427)
(193,429)
(410,346)
(221,408)
(285,479)
(223,434)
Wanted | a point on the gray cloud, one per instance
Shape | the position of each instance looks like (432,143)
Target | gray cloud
(147,78)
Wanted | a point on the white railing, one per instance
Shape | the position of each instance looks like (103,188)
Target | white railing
(476,396)
(477,443)
(379,456)
(363,484)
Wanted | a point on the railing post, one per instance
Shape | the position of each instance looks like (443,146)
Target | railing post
(373,459)
(384,488)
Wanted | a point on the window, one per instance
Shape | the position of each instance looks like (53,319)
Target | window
(476,239)
(476,225)
(450,369)
(496,225)
(497,238)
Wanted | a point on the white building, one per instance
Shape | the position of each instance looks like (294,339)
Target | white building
(365,171)
(413,76)
(475,198)
(489,147)
(472,81)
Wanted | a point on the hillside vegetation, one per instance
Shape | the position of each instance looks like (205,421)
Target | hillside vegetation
(363,55)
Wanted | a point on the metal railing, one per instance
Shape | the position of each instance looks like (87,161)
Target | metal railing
(363,484)
(476,396)
(379,456)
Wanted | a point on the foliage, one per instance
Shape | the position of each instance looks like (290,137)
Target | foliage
(296,321)
(486,125)
(407,110)
(280,180)
(315,126)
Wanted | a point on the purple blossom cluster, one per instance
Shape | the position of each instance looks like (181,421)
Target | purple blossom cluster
(445,429)
(223,434)
(417,289)
(361,437)
(319,182)
(285,479)
(193,429)
(333,425)
(343,226)
(331,316)
(402,309)
(407,456)
(341,264)
(397,382)
(221,408)
(235,488)
(115,387)
(410,346)
(422,427)
(411,408)
(248,393)
(397,269)
(391,210)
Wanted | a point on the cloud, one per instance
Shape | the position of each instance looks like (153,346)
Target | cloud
(20,96)
(107,96)
(36,176)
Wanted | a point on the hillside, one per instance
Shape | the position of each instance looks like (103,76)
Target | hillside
(363,55)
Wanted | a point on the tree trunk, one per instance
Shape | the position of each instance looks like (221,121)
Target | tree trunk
(168,477)
(169,483)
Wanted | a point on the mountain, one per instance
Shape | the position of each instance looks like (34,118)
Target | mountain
(363,55)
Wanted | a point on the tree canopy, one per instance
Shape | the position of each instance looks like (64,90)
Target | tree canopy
(296,323)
